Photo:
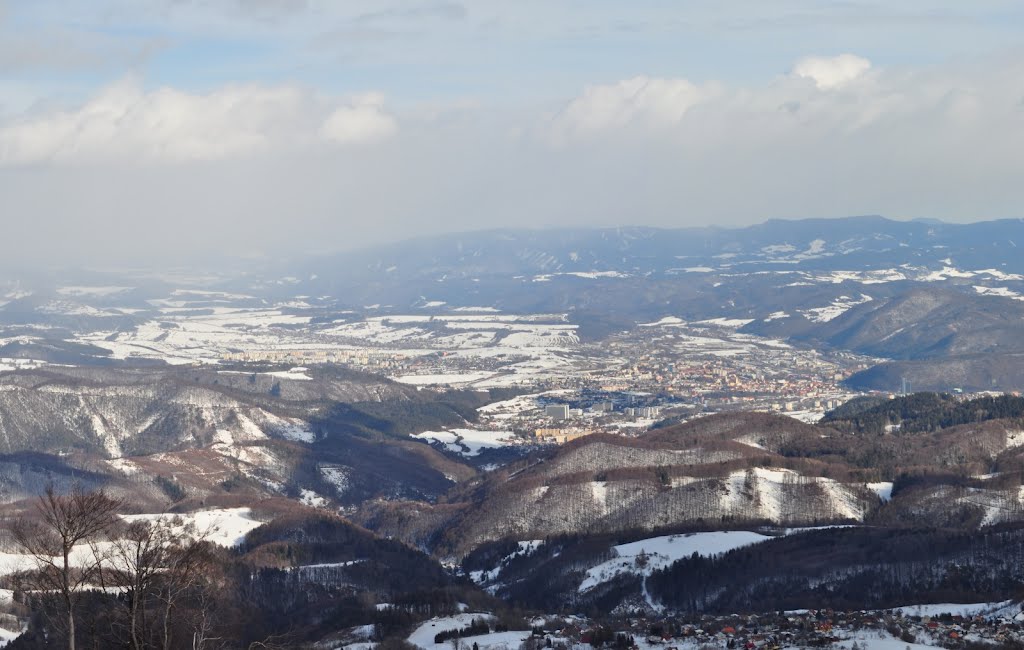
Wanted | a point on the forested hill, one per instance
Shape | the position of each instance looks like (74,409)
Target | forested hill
(921,412)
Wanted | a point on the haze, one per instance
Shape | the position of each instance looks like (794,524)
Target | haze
(166,130)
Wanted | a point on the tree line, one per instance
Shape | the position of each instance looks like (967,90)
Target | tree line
(97,579)
(853,568)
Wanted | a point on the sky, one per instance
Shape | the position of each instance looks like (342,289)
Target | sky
(169,130)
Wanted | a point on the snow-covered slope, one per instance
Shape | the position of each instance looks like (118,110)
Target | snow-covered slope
(648,555)
(44,412)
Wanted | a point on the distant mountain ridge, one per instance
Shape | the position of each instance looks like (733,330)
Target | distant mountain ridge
(942,295)
(945,301)
(341,436)
(852,242)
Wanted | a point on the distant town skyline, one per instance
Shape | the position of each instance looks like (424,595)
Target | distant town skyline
(169,129)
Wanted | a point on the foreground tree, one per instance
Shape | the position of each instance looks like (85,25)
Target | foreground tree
(138,556)
(61,523)
(164,571)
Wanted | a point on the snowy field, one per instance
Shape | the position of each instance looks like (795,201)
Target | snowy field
(880,640)
(182,334)
(423,636)
(643,557)
(450,379)
(6,636)
(209,327)
(903,273)
(532,403)
(835,309)
(470,442)
(999,292)
(19,364)
(648,555)
(716,337)
(960,609)
(225,527)
(432,344)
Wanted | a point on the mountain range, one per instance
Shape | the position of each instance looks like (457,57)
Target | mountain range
(714,513)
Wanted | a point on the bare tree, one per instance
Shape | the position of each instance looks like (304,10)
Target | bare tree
(164,571)
(63,522)
(189,573)
(276,642)
(138,556)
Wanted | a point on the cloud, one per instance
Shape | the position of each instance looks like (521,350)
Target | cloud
(126,122)
(639,100)
(130,166)
(439,10)
(832,72)
(363,120)
(644,105)
(31,51)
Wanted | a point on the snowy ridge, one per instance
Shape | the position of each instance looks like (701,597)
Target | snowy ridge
(762,493)
(117,417)
(779,496)
(837,308)
(525,548)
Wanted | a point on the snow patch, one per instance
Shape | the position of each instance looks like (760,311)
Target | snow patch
(599,490)
(423,636)
(726,322)
(593,275)
(648,555)
(946,273)
(839,306)
(998,292)
(882,489)
(92,292)
(447,379)
(312,499)
(224,526)
(297,431)
(337,476)
(1000,275)
(1014,439)
(469,442)
(668,320)
(955,609)
(298,373)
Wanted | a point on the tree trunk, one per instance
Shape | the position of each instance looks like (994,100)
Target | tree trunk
(135,617)
(71,628)
(167,626)
(66,579)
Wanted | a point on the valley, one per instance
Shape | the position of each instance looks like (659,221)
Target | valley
(601,426)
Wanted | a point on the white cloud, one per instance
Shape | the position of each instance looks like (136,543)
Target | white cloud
(644,100)
(942,141)
(125,122)
(832,72)
(362,120)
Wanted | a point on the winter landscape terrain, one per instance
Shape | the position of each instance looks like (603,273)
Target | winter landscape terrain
(794,434)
